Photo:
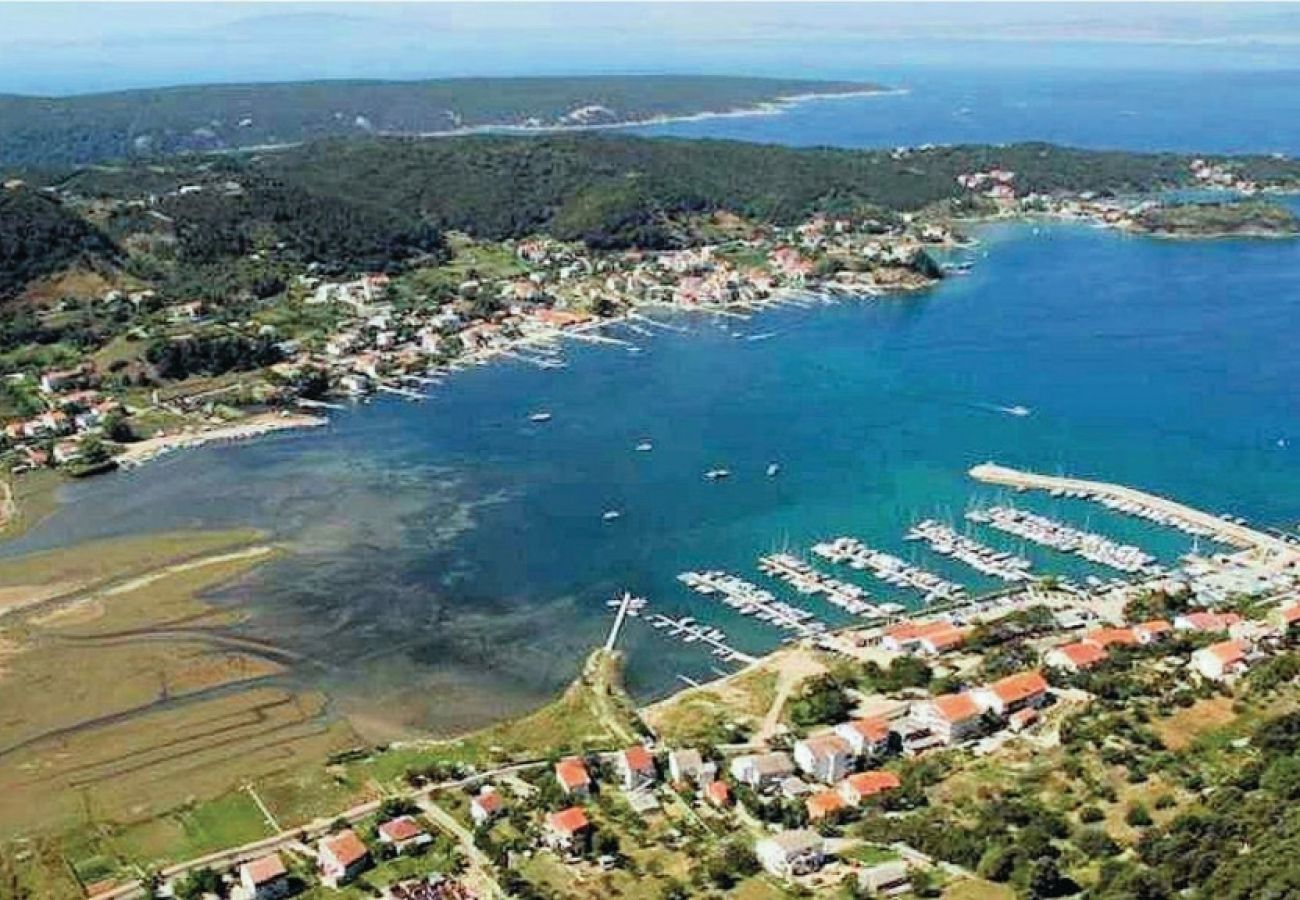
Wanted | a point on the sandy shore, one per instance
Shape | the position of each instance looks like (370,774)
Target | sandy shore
(254,426)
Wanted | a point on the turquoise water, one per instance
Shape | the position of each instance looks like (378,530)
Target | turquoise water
(451,564)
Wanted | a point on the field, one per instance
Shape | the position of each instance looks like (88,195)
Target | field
(712,714)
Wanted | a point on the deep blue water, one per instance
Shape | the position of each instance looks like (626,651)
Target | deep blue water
(451,564)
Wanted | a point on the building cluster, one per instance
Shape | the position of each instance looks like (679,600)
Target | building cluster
(1222,176)
(74,410)
(998,184)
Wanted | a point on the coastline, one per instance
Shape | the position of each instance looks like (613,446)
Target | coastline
(141,452)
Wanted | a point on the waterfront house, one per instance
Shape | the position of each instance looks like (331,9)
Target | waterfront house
(761,770)
(567,829)
(1076,657)
(865,737)
(688,766)
(1222,661)
(486,805)
(636,767)
(572,775)
(951,718)
(862,785)
(341,857)
(930,638)
(824,804)
(1024,690)
(265,878)
(791,853)
(718,794)
(404,835)
(825,757)
(1205,621)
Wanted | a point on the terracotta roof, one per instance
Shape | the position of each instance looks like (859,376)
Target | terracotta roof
(1291,613)
(874,730)
(827,745)
(638,759)
(1211,621)
(1155,626)
(1104,637)
(345,847)
(1083,656)
(944,638)
(867,784)
(401,829)
(1024,716)
(718,792)
(489,801)
(956,707)
(1020,686)
(568,821)
(1227,652)
(824,804)
(264,870)
(572,773)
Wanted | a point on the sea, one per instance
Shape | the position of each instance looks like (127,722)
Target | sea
(451,562)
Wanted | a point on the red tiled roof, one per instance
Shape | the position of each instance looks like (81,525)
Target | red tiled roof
(638,759)
(1211,621)
(1155,626)
(401,829)
(345,847)
(572,773)
(1020,686)
(1291,614)
(867,784)
(489,801)
(266,869)
(718,792)
(824,804)
(1104,637)
(568,821)
(1083,656)
(827,745)
(1227,652)
(956,707)
(874,730)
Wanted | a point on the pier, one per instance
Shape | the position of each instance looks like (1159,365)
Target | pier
(855,554)
(947,542)
(625,605)
(691,632)
(751,600)
(807,580)
(400,391)
(1066,539)
(1148,506)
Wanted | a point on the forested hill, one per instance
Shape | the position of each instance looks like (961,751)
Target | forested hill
(45,131)
(39,236)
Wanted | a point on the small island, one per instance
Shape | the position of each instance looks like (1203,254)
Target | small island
(1252,218)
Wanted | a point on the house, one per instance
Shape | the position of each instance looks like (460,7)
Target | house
(1284,618)
(1221,661)
(1205,621)
(566,829)
(637,767)
(791,853)
(951,718)
(572,775)
(718,794)
(824,804)
(930,638)
(865,737)
(885,879)
(860,786)
(825,757)
(1076,657)
(689,766)
(794,787)
(1022,719)
(1152,631)
(265,878)
(760,770)
(404,834)
(1108,637)
(341,857)
(486,805)
(1024,690)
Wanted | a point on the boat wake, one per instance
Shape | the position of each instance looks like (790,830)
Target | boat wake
(1018,411)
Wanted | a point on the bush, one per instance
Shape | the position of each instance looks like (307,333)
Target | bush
(1138,816)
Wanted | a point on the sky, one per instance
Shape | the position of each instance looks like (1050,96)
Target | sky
(59,48)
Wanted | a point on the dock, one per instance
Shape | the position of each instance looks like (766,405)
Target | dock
(980,557)
(400,391)
(1148,506)
(1064,538)
(890,569)
(691,632)
(807,580)
(625,604)
(751,600)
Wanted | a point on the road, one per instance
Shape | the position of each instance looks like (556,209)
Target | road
(479,863)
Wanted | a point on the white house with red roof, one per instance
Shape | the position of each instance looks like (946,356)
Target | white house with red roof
(486,805)
(636,767)
(573,777)
(1222,661)
(564,829)
(404,834)
(341,857)
(265,878)
(863,785)
(1205,621)
(1024,690)
(1076,657)
(865,737)
(951,718)
(718,794)
(825,757)
(1152,631)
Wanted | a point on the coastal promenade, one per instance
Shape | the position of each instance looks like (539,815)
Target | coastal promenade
(1229,532)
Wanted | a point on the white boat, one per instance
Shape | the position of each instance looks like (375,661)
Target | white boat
(611,515)
(540,417)
(644,447)
(772,470)
(715,474)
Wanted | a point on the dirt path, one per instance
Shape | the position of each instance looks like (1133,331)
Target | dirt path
(792,669)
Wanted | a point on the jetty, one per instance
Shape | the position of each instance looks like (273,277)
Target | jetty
(751,600)
(1152,507)
(627,603)
(1064,538)
(980,557)
(890,569)
(692,632)
(807,580)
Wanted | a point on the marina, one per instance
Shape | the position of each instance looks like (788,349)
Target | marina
(807,580)
(1064,538)
(692,632)
(890,569)
(750,600)
(980,557)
